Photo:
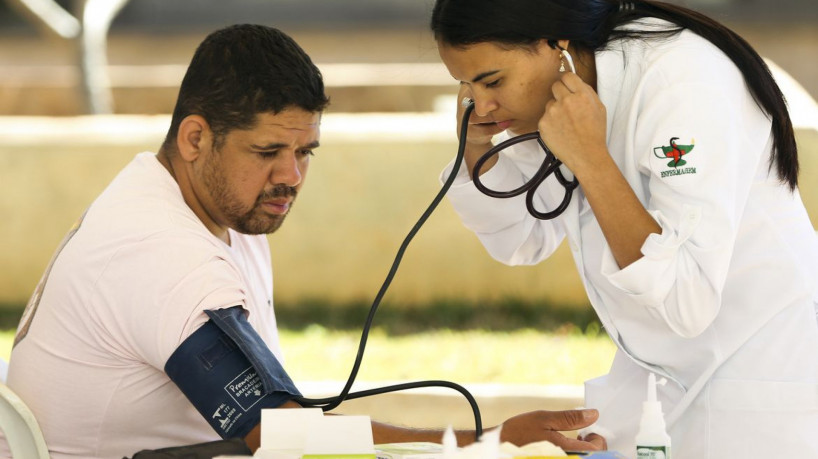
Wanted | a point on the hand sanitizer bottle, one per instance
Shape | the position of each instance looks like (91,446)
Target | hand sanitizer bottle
(652,441)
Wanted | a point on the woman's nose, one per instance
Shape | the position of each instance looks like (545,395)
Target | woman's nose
(483,106)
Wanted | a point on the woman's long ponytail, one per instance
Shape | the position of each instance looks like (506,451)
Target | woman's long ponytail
(756,73)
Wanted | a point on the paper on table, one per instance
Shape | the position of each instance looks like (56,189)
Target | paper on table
(285,429)
(294,433)
(337,435)
(487,447)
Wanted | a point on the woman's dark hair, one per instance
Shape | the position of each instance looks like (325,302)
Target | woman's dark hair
(241,71)
(592,24)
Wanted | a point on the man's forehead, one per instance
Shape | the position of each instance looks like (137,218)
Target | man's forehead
(295,127)
(290,118)
(304,125)
(277,130)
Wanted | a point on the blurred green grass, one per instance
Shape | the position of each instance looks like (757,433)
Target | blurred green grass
(6,340)
(401,318)
(523,356)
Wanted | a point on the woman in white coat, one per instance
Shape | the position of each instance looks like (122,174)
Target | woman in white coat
(687,227)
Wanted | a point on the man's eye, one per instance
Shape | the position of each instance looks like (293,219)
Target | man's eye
(268,154)
(307,153)
(493,83)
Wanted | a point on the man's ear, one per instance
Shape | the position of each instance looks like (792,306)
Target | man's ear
(192,137)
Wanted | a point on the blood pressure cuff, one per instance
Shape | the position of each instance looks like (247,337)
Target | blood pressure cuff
(229,374)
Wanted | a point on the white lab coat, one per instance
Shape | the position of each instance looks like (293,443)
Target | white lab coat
(723,302)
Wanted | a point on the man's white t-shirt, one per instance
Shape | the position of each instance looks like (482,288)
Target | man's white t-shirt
(128,285)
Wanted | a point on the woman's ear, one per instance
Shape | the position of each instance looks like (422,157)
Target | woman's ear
(192,137)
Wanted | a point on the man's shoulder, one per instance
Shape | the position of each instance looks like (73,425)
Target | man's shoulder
(143,204)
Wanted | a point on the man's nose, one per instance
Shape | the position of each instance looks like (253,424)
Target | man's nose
(287,170)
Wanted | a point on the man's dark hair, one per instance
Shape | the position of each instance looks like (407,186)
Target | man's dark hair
(241,71)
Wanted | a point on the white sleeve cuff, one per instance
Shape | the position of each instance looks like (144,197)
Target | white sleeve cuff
(481,213)
(658,262)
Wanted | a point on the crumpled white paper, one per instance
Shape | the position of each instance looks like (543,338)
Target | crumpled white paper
(540,448)
(489,447)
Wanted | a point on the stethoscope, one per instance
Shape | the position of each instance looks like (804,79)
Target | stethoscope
(550,165)
(330,403)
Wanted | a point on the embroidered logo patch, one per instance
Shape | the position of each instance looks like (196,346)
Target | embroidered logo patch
(676,155)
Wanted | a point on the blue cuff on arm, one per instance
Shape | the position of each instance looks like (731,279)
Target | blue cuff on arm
(229,374)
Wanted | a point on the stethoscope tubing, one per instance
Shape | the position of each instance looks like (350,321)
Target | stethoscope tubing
(550,165)
(330,403)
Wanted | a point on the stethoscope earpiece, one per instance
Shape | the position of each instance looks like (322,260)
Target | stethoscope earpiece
(567,56)
(465,102)
(564,53)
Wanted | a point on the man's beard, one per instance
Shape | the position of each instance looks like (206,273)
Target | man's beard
(257,221)
(238,217)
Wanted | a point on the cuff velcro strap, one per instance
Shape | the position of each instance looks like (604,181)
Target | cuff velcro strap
(233,323)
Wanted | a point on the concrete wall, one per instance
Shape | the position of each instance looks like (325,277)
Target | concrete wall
(366,187)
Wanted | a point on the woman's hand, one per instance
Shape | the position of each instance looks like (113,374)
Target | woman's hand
(574,124)
(574,127)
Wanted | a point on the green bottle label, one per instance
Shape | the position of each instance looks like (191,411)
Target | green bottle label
(652,452)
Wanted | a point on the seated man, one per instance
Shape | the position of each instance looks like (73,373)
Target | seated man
(153,326)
